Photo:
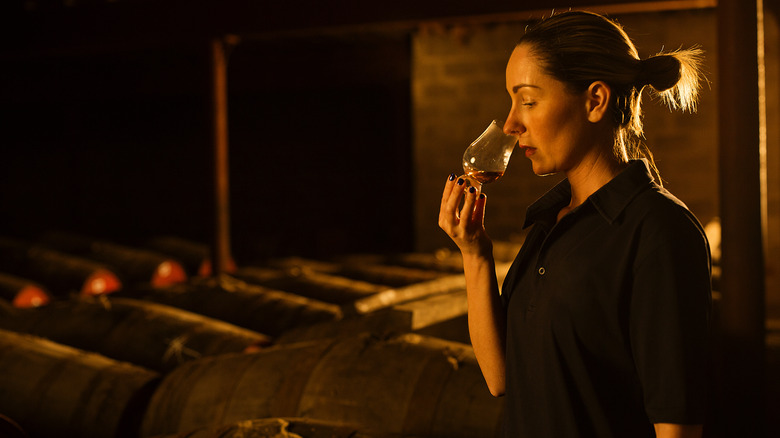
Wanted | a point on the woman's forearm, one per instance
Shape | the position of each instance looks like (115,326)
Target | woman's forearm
(487,326)
(486,319)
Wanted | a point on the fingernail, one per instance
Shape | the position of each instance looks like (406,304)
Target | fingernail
(481,196)
(461,181)
(472,189)
(452,176)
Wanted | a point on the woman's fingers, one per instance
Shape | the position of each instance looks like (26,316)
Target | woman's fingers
(445,196)
(445,215)
(456,192)
(467,212)
(463,223)
(448,214)
(479,210)
(448,187)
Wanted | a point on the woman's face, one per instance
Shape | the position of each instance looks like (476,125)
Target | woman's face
(550,122)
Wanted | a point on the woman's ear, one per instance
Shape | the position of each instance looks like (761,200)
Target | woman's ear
(598,97)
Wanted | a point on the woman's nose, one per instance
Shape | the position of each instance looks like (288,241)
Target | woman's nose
(512,126)
(507,128)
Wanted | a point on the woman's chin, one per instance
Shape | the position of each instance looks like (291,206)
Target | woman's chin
(540,170)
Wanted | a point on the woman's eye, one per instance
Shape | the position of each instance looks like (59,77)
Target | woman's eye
(529,103)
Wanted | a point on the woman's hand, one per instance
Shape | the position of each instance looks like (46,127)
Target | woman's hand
(465,227)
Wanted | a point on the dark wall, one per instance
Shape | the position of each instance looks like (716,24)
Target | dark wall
(320,144)
(99,143)
(117,144)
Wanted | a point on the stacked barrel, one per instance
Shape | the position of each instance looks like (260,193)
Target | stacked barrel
(138,341)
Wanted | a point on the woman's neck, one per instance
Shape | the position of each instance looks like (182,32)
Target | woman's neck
(590,175)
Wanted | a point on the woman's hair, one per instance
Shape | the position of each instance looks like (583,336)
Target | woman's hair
(579,48)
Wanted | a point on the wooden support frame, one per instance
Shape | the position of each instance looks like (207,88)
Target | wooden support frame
(221,253)
(742,308)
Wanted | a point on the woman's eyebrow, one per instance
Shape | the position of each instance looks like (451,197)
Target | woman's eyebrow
(519,86)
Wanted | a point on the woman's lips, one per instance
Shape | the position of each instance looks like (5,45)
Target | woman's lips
(528,150)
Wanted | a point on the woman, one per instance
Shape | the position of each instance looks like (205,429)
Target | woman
(602,323)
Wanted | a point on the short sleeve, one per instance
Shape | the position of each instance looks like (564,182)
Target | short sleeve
(669,318)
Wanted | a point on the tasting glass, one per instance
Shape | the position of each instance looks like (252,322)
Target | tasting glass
(485,160)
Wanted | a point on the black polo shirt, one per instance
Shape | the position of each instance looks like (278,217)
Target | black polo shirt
(607,314)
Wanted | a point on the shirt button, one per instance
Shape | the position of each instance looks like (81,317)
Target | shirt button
(541,270)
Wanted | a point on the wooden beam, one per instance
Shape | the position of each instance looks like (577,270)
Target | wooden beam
(742,309)
(221,244)
(124,25)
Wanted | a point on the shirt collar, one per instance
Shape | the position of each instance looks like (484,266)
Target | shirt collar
(609,200)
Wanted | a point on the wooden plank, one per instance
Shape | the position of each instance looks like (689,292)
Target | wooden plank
(391,297)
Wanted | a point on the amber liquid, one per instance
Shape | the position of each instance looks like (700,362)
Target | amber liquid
(485,177)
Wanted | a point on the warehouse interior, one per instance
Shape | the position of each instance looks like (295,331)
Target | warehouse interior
(300,148)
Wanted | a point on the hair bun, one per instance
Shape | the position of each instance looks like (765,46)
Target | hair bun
(660,72)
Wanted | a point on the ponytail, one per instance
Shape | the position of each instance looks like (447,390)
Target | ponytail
(674,77)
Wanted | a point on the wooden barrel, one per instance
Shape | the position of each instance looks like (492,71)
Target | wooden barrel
(282,427)
(133,264)
(405,385)
(58,271)
(324,287)
(21,292)
(61,274)
(195,257)
(441,315)
(443,260)
(253,307)
(54,391)
(390,275)
(148,334)
(359,269)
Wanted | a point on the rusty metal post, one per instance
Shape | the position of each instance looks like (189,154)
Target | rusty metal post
(742,309)
(221,239)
